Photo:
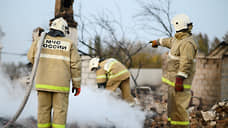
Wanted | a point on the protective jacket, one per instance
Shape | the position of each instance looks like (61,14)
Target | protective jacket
(180,58)
(111,71)
(180,63)
(59,63)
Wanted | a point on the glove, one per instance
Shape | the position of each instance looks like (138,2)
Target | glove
(179,84)
(77,91)
(154,43)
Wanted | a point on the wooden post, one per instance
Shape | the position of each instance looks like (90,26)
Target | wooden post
(64,8)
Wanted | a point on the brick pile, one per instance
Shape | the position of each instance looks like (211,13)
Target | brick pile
(155,106)
(213,117)
(201,116)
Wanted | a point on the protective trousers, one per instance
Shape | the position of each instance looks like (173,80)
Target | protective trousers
(48,101)
(178,102)
(125,89)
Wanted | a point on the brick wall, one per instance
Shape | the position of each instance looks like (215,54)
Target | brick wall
(207,80)
(224,79)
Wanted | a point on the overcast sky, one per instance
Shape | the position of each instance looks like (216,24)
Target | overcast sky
(20,17)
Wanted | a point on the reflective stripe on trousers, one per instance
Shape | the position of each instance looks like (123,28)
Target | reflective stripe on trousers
(48,125)
(186,86)
(178,122)
(58,125)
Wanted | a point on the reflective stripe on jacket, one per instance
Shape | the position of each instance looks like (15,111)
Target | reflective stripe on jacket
(111,70)
(59,63)
(180,58)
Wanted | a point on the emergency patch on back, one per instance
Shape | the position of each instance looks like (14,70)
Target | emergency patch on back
(56,45)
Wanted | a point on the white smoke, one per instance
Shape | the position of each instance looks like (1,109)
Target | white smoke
(99,107)
(92,106)
(11,96)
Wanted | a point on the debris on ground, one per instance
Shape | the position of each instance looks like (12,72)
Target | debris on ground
(201,116)
(216,116)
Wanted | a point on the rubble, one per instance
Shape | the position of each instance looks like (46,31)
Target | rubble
(201,116)
(155,106)
(216,116)
(209,115)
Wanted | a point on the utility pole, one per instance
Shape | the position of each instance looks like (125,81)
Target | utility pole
(64,8)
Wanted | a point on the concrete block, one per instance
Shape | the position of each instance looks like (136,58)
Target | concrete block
(85,58)
(86,70)
(85,65)
(92,76)
(90,82)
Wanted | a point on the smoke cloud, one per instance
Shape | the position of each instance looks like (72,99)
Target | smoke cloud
(92,106)
(11,96)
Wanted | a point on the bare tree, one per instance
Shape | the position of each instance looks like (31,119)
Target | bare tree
(122,48)
(85,32)
(118,45)
(203,43)
(155,16)
(112,40)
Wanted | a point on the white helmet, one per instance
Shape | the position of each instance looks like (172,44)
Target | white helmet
(60,24)
(93,63)
(180,22)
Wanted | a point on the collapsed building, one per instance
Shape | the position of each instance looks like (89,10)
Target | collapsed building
(210,82)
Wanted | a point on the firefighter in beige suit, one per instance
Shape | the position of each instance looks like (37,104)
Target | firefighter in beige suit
(59,63)
(111,74)
(180,70)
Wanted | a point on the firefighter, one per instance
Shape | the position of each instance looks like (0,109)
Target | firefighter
(180,70)
(111,74)
(59,64)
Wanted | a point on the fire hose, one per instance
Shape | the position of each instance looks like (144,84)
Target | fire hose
(30,84)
